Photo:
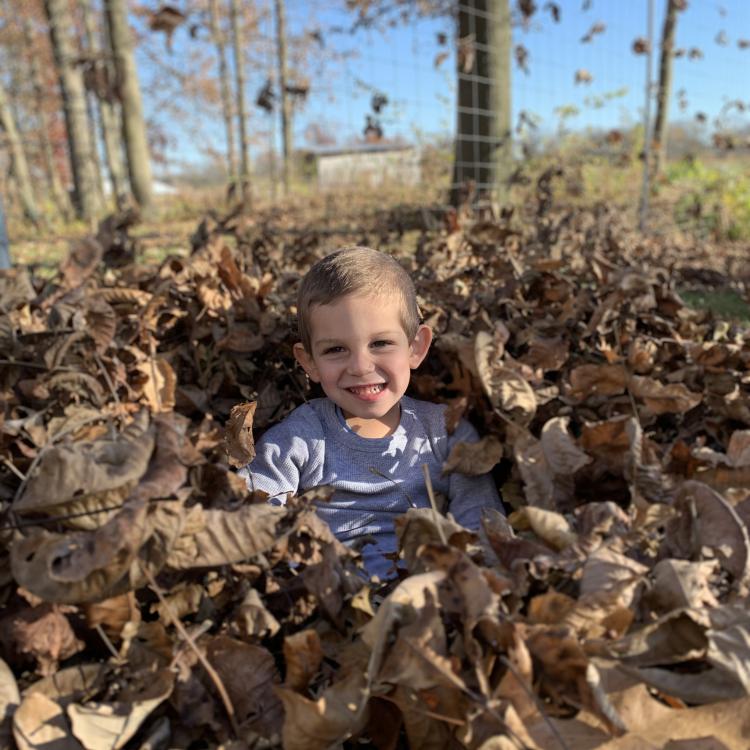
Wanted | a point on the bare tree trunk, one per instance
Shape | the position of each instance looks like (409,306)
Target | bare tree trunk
(74,106)
(59,194)
(87,52)
(110,131)
(133,124)
(483,150)
(226,89)
(286,104)
(239,77)
(665,87)
(4,243)
(19,164)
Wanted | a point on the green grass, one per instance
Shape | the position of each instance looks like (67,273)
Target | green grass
(723,303)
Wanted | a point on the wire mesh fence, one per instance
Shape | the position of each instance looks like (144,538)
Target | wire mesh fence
(575,92)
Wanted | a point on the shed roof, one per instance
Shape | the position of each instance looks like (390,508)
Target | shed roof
(359,148)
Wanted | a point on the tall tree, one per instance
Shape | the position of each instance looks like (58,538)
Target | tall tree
(239,77)
(665,85)
(74,107)
(227,107)
(483,149)
(19,164)
(101,72)
(133,123)
(286,104)
(59,194)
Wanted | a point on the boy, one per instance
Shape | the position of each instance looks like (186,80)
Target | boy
(360,338)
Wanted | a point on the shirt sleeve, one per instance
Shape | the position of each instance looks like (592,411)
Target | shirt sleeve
(287,457)
(469,495)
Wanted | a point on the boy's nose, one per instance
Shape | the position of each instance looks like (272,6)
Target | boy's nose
(360,363)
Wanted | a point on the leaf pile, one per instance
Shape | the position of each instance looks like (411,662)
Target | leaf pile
(150,600)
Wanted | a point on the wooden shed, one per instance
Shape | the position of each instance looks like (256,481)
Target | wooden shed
(368,164)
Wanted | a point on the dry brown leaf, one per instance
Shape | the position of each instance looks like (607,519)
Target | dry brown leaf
(550,527)
(101,322)
(41,720)
(109,726)
(681,584)
(251,679)
(238,435)
(663,399)
(539,482)
(95,565)
(705,520)
(70,472)
(714,727)
(220,537)
(506,389)
(158,384)
(45,633)
(302,655)
(113,613)
(563,456)
(597,380)
(242,338)
(474,459)
(547,353)
(419,526)
(318,724)
(9,701)
(252,618)
(181,601)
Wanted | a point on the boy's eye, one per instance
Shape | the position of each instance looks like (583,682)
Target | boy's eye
(333,350)
(381,343)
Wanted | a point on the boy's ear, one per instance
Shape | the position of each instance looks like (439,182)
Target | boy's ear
(306,361)
(419,346)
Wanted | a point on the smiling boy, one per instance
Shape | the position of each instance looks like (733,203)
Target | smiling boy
(360,337)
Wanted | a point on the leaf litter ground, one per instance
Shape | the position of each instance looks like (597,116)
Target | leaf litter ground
(150,600)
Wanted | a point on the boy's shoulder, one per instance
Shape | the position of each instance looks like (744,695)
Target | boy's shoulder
(306,420)
(429,414)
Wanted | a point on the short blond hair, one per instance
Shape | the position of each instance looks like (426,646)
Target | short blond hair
(351,270)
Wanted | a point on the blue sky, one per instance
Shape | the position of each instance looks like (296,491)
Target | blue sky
(400,62)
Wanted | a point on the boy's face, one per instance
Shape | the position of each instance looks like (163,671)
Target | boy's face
(362,358)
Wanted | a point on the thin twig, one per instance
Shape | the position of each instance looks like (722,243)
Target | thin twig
(14,469)
(105,374)
(196,632)
(436,512)
(112,650)
(212,673)
(380,474)
(510,422)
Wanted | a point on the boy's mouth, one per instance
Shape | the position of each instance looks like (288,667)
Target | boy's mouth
(367,391)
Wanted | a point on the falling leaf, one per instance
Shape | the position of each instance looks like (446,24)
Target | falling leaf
(596,28)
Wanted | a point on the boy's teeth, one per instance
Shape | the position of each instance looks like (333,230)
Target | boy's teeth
(368,389)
